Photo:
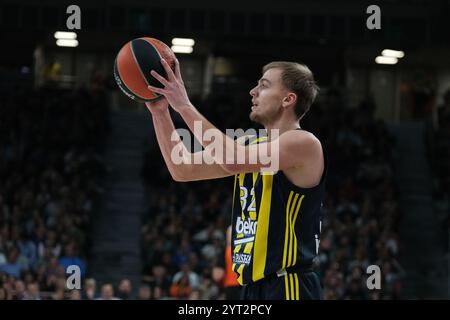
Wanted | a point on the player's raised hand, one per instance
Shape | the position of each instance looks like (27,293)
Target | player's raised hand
(174,90)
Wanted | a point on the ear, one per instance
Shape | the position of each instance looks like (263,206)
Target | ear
(289,99)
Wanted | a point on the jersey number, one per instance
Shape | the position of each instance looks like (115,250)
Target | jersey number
(244,195)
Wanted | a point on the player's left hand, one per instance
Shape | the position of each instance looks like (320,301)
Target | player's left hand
(174,89)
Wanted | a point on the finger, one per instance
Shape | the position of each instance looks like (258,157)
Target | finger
(160,78)
(169,71)
(157,90)
(177,70)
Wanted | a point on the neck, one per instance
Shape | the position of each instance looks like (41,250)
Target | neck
(282,125)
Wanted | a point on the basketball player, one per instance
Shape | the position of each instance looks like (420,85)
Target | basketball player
(276,217)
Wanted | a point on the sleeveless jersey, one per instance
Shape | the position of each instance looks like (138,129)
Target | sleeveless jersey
(276,224)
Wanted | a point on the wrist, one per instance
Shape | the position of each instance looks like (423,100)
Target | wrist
(184,108)
(159,112)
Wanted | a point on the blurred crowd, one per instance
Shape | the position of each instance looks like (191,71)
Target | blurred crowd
(183,240)
(439,152)
(50,182)
(361,210)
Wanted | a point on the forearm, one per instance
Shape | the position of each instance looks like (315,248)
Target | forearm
(233,157)
(164,129)
(199,125)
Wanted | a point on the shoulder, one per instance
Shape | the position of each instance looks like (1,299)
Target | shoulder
(300,138)
(306,158)
(300,148)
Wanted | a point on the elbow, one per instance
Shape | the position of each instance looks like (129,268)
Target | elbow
(181,179)
(230,168)
(178,177)
(181,176)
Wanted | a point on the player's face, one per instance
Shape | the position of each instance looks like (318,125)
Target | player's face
(267,97)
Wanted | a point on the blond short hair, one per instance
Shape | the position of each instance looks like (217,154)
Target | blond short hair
(298,78)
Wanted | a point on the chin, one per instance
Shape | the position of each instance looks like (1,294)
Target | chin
(256,116)
(253,117)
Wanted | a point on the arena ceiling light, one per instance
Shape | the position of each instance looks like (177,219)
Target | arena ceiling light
(182,45)
(183,42)
(386,60)
(393,53)
(182,49)
(65,35)
(67,43)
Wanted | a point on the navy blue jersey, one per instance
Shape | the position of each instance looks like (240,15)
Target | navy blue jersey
(276,225)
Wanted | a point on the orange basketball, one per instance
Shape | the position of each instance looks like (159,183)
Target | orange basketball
(133,65)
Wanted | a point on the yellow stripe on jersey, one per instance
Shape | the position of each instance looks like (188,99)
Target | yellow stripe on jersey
(297,287)
(289,227)
(293,229)
(240,272)
(291,287)
(286,286)
(260,249)
(248,247)
(241,184)
(234,195)
(234,189)
(252,206)
(255,176)
(257,140)
(286,237)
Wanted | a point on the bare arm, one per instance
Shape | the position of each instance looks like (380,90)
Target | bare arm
(291,149)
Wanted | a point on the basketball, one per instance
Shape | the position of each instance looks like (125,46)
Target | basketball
(133,64)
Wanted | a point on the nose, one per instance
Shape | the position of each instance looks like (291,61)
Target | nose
(253,92)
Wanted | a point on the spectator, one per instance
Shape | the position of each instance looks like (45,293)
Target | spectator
(75,295)
(90,287)
(5,294)
(58,294)
(192,277)
(70,258)
(32,292)
(19,290)
(181,288)
(12,265)
(125,289)
(107,293)
(144,292)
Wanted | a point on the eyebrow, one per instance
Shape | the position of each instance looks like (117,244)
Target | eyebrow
(264,79)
